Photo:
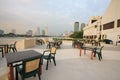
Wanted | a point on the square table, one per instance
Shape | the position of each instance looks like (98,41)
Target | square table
(16,57)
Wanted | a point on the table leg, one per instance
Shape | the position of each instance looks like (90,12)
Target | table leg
(11,73)
(40,69)
(92,54)
(80,51)
(84,51)
(2,52)
(5,49)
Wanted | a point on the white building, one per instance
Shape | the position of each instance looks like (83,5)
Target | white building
(46,31)
(111,21)
(106,27)
(37,32)
(93,29)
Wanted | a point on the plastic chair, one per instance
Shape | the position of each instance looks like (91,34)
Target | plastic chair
(49,56)
(30,67)
(99,52)
(13,47)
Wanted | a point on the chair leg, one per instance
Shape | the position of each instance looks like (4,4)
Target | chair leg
(16,73)
(47,65)
(99,56)
(39,76)
(2,53)
(15,49)
(50,60)
(54,61)
(9,49)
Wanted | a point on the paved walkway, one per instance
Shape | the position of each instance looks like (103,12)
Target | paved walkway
(70,66)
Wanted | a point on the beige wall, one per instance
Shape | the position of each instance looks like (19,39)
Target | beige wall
(25,43)
(22,43)
(112,14)
(91,30)
(29,43)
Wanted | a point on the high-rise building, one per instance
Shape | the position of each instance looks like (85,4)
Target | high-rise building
(1,32)
(13,31)
(82,26)
(46,31)
(76,27)
(43,32)
(37,31)
(29,32)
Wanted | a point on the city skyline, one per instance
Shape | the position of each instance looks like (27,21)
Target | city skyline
(59,16)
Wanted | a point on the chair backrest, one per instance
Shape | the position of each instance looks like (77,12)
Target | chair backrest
(31,65)
(15,43)
(101,48)
(53,50)
(81,44)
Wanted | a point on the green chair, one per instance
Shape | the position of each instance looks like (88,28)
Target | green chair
(30,67)
(98,51)
(50,55)
(13,47)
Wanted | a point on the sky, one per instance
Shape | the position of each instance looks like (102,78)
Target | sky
(58,15)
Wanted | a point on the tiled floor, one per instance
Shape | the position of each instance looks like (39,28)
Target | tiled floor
(70,66)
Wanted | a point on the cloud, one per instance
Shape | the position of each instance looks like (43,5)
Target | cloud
(58,15)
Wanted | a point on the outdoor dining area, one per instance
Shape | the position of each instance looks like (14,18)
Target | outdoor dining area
(38,63)
(30,60)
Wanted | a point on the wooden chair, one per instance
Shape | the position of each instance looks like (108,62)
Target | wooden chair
(30,67)
(49,56)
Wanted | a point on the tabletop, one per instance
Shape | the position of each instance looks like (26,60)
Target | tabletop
(22,55)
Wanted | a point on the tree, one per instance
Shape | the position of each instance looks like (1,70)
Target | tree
(77,34)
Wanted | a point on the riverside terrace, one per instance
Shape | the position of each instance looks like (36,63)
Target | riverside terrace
(71,66)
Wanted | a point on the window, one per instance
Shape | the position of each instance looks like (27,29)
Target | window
(118,23)
(108,25)
(93,21)
(95,26)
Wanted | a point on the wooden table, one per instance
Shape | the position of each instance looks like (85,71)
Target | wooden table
(91,48)
(16,57)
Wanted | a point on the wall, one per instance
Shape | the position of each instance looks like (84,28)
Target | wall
(112,14)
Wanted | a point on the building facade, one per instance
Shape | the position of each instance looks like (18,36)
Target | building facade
(107,26)
(111,22)
(93,29)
